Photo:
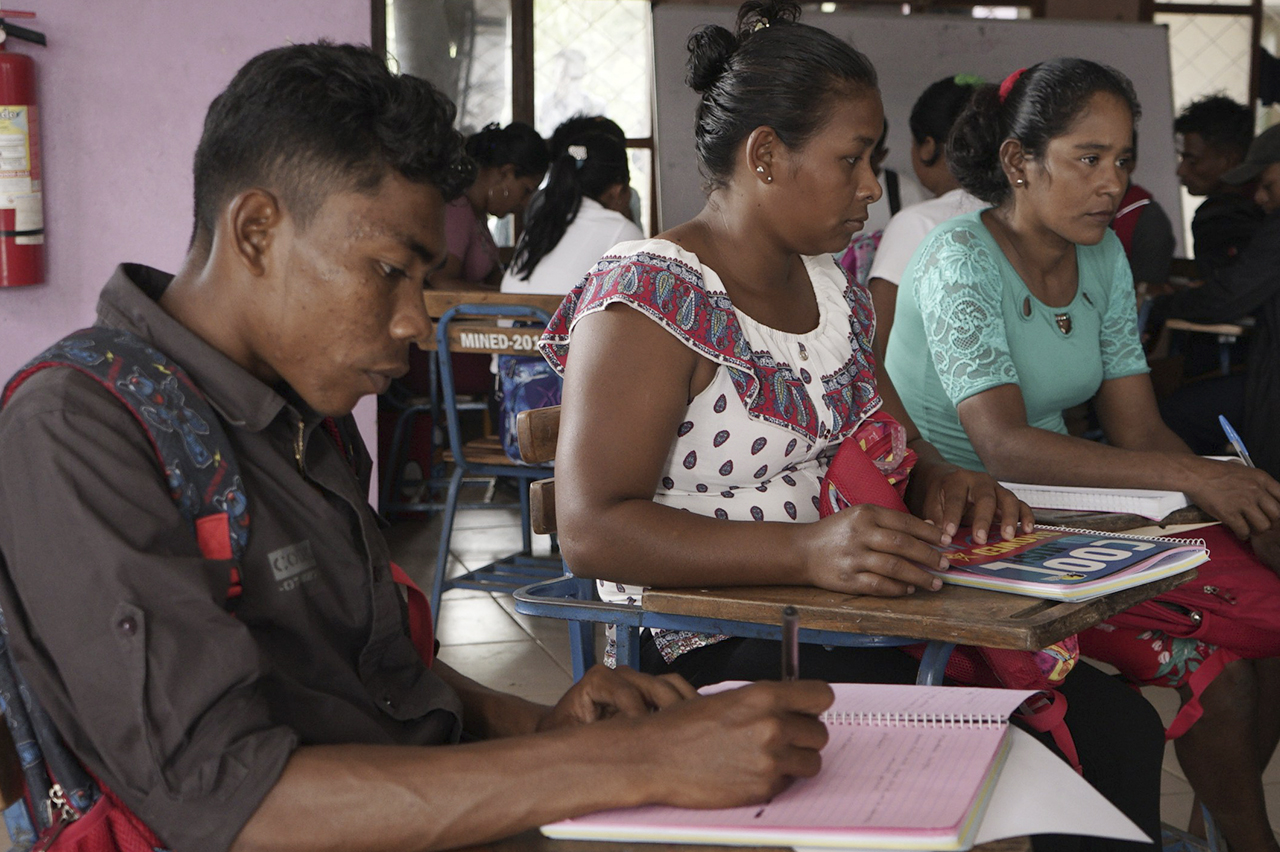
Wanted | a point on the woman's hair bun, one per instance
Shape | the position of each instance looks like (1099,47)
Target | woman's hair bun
(709,50)
(710,47)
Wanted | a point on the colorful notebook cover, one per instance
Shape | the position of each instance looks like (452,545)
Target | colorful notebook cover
(1067,565)
(906,767)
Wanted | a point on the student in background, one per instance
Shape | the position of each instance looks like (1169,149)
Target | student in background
(1250,286)
(578,125)
(512,161)
(932,116)
(1009,315)
(1144,231)
(899,191)
(711,374)
(1213,135)
(581,213)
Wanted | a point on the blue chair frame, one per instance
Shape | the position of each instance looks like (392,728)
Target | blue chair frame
(574,600)
(517,569)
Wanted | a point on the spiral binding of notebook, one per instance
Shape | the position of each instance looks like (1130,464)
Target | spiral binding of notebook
(1195,542)
(913,720)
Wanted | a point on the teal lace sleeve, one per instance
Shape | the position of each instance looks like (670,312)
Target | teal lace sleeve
(1122,353)
(957,285)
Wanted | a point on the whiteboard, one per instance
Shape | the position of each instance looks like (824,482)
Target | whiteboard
(909,53)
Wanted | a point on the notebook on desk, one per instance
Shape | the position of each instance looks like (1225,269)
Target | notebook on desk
(1066,564)
(906,767)
(1148,503)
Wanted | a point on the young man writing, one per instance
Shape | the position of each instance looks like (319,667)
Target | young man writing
(307,720)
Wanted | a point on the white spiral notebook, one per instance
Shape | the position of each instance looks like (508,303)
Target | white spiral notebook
(1125,501)
(906,767)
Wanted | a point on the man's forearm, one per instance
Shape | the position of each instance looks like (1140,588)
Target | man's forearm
(386,798)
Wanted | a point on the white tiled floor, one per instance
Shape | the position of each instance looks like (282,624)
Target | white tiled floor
(482,636)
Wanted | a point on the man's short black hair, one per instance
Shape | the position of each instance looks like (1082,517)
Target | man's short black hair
(307,120)
(1219,121)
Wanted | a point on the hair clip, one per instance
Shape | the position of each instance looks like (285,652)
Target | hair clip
(968,80)
(1007,86)
(579,153)
(760,24)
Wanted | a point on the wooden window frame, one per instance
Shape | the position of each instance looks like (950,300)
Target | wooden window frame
(1150,8)
(522,89)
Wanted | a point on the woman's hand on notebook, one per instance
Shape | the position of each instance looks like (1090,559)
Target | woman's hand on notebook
(1245,499)
(737,747)
(871,550)
(951,497)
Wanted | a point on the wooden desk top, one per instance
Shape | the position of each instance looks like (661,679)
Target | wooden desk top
(532,841)
(952,614)
(957,614)
(1231,329)
(439,301)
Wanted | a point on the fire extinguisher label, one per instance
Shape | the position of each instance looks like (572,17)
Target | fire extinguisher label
(15,150)
(20,174)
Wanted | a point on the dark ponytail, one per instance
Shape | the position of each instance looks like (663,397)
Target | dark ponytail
(772,72)
(590,165)
(517,144)
(1042,104)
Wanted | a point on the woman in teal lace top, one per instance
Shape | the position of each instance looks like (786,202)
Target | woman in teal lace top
(1006,316)
(973,325)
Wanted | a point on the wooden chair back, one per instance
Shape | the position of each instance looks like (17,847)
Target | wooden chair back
(537,431)
(487,334)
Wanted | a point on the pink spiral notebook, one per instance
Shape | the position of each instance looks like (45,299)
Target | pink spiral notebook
(906,767)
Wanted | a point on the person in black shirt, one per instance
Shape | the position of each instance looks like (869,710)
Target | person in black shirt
(1213,135)
(1250,286)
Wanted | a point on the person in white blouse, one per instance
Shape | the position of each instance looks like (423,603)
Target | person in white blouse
(579,215)
(931,118)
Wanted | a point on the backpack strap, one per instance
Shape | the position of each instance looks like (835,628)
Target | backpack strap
(190,445)
(421,626)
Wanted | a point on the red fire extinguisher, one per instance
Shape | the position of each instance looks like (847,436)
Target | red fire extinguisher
(21,195)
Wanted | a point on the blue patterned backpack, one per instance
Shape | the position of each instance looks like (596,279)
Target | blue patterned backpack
(64,807)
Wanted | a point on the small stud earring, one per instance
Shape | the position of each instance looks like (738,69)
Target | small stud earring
(760,169)
(1019,182)
(769,179)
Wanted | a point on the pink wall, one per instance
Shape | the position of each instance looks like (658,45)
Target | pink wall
(123,88)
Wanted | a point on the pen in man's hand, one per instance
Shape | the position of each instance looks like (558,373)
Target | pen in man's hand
(1235,441)
(790,643)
